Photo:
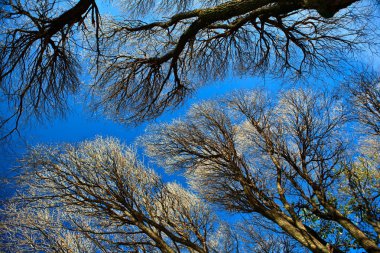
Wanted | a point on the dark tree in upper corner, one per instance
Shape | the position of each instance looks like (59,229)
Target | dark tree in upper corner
(140,68)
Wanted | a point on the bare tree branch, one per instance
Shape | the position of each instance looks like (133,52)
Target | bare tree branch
(100,193)
(282,160)
(38,62)
(142,68)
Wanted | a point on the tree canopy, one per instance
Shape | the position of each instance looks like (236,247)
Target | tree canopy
(99,196)
(286,163)
(141,67)
(300,167)
(290,161)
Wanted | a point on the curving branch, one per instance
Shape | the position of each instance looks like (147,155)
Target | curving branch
(152,66)
(142,69)
(285,161)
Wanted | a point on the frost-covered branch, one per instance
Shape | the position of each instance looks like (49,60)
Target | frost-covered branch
(100,193)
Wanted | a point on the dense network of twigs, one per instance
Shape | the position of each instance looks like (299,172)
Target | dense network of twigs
(301,177)
(38,56)
(142,68)
(291,161)
(98,196)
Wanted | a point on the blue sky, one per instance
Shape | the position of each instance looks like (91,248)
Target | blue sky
(80,124)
